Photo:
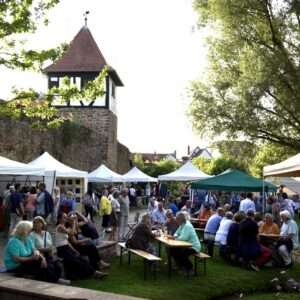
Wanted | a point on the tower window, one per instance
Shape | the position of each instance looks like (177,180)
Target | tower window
(53,82)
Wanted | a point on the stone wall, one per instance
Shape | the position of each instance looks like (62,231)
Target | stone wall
(102,141)
(85,143)
(12,288)
(124,159)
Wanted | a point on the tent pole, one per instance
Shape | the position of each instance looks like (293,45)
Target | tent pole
(54,182)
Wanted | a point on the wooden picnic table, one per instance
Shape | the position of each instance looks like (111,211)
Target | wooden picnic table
(170,243)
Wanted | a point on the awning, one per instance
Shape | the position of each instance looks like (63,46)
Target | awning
(104,174)
(136,175)
(289,167)
(49,163)
(187,172)
(12,167)
(234,180)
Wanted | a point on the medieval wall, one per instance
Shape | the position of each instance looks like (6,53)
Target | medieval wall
(85,143)
(124,159)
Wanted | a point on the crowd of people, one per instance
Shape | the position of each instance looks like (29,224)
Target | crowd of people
(245,233)
(71,250)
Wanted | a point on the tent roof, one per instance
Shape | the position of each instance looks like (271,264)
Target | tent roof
(104,174)
(291,183)
(83,55)
(12,167)
(49,163)
(233,180)
(288,167)
(187,172)
(136,175)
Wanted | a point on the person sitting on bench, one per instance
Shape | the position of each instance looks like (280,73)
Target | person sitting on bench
(84,245)
(142,236)
(22,258)
(42,241)
(185,232)
(76,267)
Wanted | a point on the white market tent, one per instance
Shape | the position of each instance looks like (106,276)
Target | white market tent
(187,172)
(289,167)
(49,163)
(12,171)
(136,175)
(12,167)
(292,184)
(56,169)
(104,174)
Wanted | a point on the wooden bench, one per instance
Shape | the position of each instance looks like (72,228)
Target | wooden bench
(201,257)
(147,258)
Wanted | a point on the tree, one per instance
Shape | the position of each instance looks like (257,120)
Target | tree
(203,164)
(242,152)
(138,161)
(160,167)
(221,164)
(218,165)
(17,18)
(269,154)
(252,88)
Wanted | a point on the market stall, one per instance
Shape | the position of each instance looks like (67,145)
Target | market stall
(65,176)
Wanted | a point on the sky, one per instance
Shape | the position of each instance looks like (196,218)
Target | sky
(156,50)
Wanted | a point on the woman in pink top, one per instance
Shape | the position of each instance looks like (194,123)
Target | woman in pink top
(30,203)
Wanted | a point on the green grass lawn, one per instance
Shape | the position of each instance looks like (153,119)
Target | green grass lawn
(222,279)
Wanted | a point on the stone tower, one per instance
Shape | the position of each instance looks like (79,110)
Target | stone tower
(82,62)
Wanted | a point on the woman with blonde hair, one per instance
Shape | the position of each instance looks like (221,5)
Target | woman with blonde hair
(42,241)
(22,258)
(41,238)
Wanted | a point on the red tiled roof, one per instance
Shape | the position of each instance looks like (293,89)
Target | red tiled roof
(83,55)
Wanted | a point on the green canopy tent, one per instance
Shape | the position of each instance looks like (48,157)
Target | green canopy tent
(234,180)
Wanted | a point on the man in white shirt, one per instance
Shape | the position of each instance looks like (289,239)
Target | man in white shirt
(287,204)
(132,196)
(159,215)
(247,204)
(289,238)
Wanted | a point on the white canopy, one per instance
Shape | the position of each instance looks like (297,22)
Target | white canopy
(291,183)
(104,174)
(12,167)
(187,172)
(49,163)
(289,167)
(136,175)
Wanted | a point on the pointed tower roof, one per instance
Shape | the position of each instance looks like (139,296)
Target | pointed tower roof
(83,55)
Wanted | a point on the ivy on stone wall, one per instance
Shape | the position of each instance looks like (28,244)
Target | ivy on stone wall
(73,132)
